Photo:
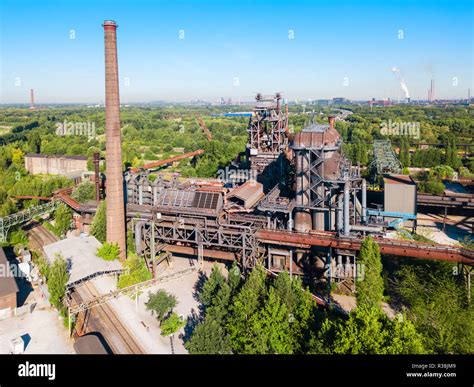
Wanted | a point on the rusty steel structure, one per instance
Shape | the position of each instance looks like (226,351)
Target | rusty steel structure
(267,133)
(170,160)
(309,225)
(115,193)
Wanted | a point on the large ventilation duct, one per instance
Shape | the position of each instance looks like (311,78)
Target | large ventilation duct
(115,199)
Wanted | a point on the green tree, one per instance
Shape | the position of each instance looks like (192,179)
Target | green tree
(451,153)
(245,304)
(270,329)
(212,287)
(18,238)
(439,307)
(234,277)
(57,280)
(84,192)
(404,155)
(34,142)
(442,172)
(209,338)
(299,305)
(171,324)
(161,303)
(370,287)
(369,331)
(62,219)
(99,224)
(135,271)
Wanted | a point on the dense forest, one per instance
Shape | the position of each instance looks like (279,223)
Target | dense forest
(262,315)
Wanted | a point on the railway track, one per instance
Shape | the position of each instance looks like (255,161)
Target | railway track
(40,236)
(104,320)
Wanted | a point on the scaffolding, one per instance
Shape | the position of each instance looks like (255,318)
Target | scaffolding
(267,132)
(197,232)
(385,159)
(7,222)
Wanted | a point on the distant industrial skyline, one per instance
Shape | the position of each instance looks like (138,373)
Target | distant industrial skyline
(177,51)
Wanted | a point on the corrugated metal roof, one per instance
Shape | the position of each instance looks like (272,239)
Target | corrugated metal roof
(250,193)
(316,138)
(398,179)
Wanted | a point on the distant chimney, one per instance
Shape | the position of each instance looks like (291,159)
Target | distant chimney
(331,120)
(114,194)
(32,99)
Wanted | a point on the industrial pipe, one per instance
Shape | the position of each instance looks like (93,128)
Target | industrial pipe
(364,201)
(340,222)
(366,228)
(138,237)
(346,208)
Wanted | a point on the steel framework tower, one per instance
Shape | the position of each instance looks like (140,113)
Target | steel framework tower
(267,132)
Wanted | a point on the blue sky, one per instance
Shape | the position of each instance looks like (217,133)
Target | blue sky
(234,49)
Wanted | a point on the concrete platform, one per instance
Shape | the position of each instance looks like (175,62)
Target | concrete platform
(81,255)
(43,331)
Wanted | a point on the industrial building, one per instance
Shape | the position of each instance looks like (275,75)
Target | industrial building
(400,196)
(304,186)
(8,287)
(301,206)
(69,166)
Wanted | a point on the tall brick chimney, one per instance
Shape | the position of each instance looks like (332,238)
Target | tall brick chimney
(113,157)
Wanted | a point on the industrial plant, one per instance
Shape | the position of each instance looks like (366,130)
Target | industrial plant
(292,204)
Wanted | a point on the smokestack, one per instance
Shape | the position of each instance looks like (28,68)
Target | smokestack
(278,98)
(32,99)
(114,195)
(331,120)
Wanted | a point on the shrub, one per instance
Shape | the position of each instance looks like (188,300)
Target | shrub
(172,324)
(135,271)
(109,251)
